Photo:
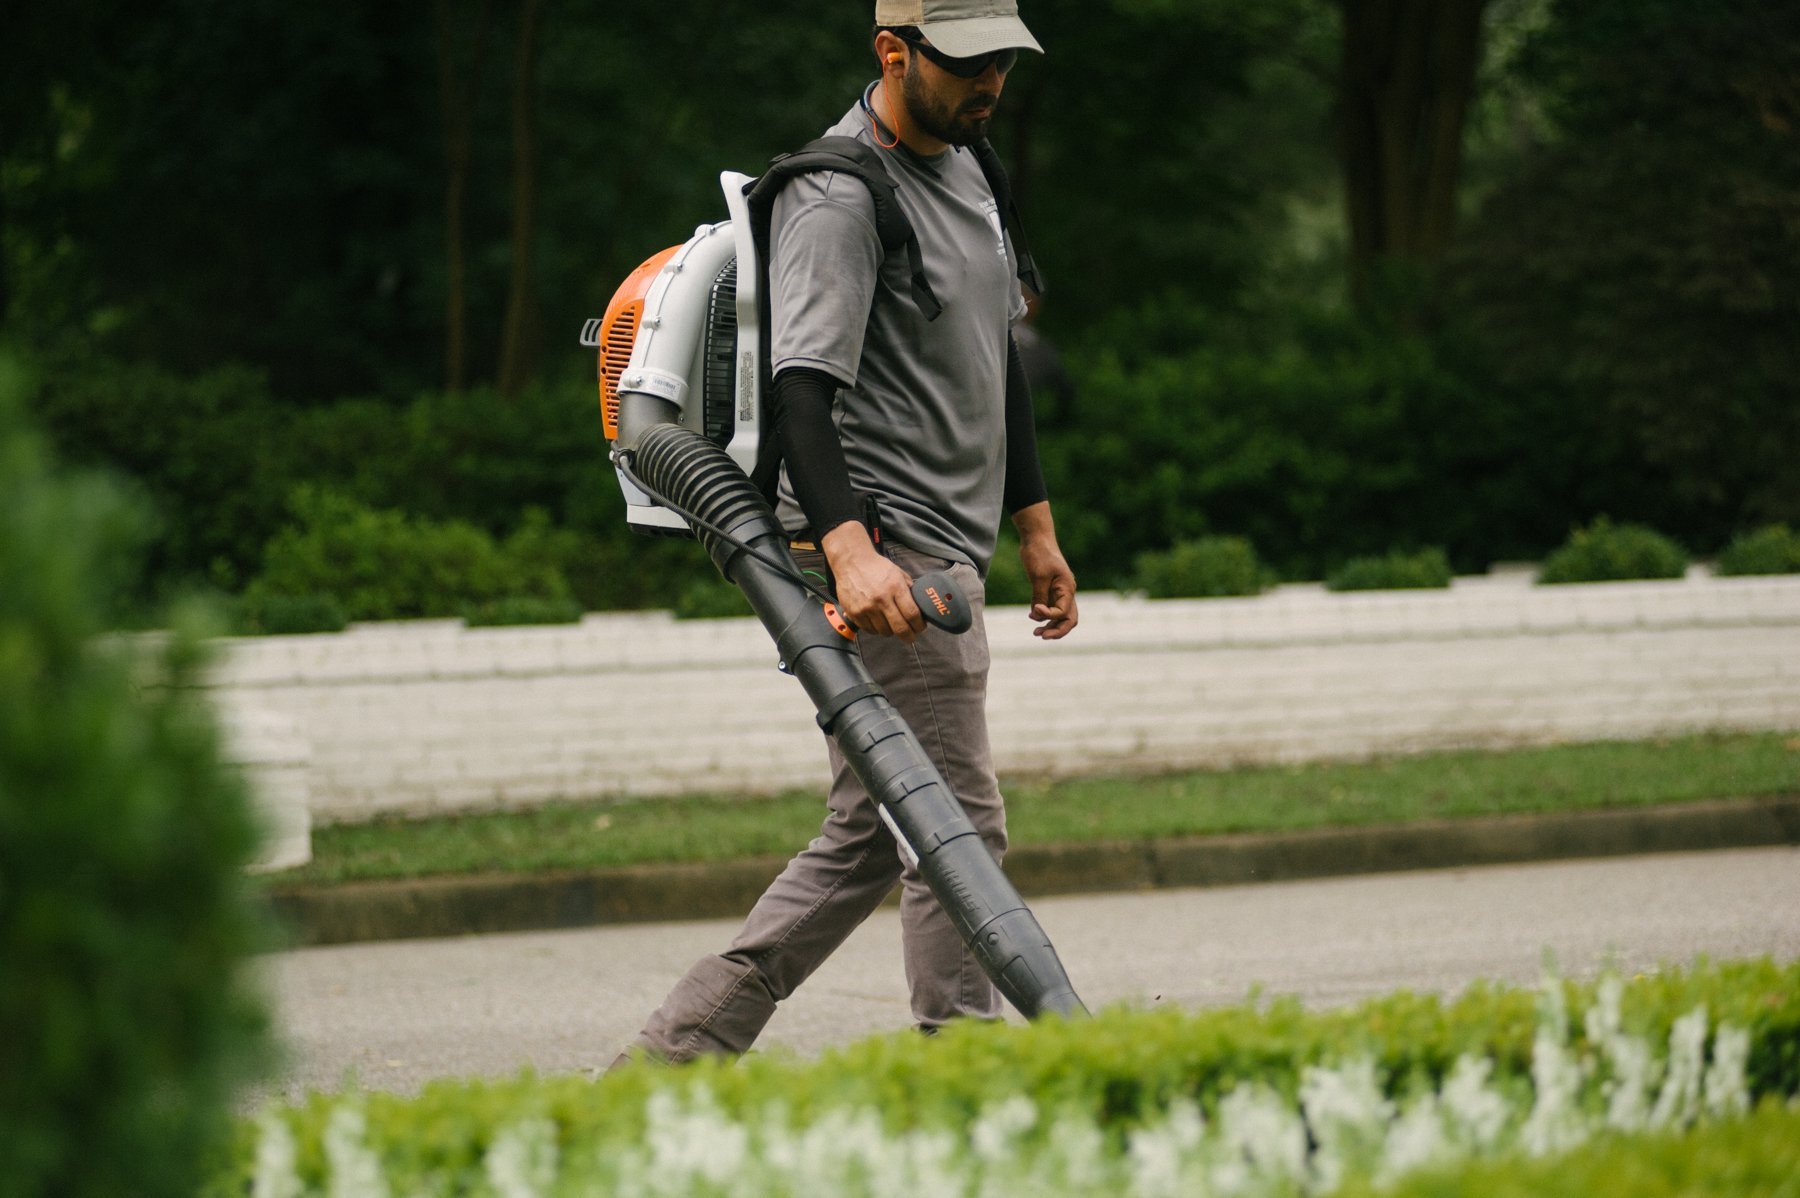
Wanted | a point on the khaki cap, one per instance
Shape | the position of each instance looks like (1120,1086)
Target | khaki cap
(961,28)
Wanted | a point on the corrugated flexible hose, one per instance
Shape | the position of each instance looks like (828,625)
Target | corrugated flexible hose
(999,928)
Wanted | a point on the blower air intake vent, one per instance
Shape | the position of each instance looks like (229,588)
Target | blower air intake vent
(720,386)
(615,352)
(618,329)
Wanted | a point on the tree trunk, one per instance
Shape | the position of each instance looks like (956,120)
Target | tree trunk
(456,101)
(1408,74)
(519,333)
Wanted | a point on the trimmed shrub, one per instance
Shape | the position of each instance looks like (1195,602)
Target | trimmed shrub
(265,614)
(125,918)
(385,565)
(1209,567)
(1263,1098)
(1771,550)
(1608,552)
(711,599)
(1397,571)
(522,610)
(206,451)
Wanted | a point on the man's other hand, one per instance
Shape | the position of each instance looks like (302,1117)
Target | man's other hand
(1052,582)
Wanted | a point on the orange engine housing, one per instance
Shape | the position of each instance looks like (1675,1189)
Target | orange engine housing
(618,329)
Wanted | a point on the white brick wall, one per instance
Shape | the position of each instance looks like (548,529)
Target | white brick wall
(430,716)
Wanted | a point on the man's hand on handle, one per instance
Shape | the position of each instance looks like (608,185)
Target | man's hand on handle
(1052,582)
(872,592)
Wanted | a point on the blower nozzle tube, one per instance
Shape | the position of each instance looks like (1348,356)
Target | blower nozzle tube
(874,738)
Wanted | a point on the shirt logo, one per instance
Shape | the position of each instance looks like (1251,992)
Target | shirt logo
(991,210)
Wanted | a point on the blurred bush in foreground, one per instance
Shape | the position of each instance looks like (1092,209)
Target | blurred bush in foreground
(124,913)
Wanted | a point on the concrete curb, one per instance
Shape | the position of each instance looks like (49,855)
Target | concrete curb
(363,911)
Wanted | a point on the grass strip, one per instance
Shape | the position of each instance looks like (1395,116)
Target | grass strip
(1390,791)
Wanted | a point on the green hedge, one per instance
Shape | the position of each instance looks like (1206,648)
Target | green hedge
(1260,1098)
(1755,1157)
(1608,552)
(385,565)
(125,918)
(1395,571)
(1771,550)
(1205,568)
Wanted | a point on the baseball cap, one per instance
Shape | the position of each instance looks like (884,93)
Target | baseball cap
(961,28)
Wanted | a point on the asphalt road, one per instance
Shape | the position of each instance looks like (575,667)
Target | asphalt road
(394,1016)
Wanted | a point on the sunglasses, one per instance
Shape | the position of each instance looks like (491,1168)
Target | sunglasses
(963,68)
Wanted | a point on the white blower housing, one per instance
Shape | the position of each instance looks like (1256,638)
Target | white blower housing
(683,328)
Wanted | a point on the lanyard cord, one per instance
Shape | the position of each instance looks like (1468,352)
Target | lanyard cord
(875,122)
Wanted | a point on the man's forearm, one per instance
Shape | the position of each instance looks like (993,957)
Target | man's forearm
(1035,523)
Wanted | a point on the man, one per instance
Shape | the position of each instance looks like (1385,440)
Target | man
(904,441)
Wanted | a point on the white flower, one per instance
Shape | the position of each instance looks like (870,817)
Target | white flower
(276,1158)
(1074,1158)
(996,1131)
(1679,1101)
(1727,1085)
(521,1162)
(1261,1138)
(1476,1114)
(1628,1090)
(1416,1139)
(1555,1123)
(1349,1114)
(697,1141)
(1630,1063)
(355,1170)
(1162,1158)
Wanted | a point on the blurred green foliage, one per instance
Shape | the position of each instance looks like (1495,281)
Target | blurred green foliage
(125,916)
(385,565)
(226,309)
(710,599)
(1398,570)
(1318,437)
(518,610)
(1771,550)
(1204,568)
(1608,552)
(1636,264)
(261,613)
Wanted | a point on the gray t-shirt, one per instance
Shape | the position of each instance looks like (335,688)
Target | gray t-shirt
(920,408)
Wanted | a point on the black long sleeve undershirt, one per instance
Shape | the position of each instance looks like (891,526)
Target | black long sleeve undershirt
(815,458)
(1024,472)
(811,450)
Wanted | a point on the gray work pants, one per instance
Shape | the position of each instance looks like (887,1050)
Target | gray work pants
(939,685)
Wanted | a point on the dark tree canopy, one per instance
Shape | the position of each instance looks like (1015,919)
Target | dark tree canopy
(256,246)
(1645,265)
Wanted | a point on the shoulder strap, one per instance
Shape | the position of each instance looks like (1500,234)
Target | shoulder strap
(851,157)
(995,173)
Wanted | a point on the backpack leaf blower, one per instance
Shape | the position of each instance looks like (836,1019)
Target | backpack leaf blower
(682,355)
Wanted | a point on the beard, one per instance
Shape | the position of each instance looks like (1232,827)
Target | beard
(956,125)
